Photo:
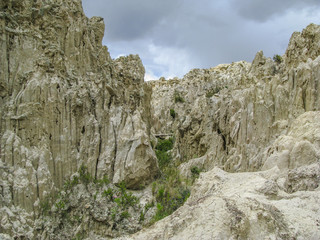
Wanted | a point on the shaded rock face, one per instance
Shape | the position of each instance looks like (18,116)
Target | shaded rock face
(253,128)
(64,102)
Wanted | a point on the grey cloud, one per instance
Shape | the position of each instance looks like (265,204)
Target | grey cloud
(202,33)
(262,10)
(128,19)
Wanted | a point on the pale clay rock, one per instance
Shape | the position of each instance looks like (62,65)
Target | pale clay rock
(240,206)
(64,102)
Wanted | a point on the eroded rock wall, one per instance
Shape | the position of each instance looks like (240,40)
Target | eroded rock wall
(64,102)
(227,115)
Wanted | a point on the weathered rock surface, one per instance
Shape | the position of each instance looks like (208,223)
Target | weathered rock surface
(241,206)
(253,128)
(64,102)
(279,203)
(227,115)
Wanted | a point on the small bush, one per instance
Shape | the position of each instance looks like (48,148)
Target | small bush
(108,194)
(160,213)
(172,113)
(124,215)
(277,58)
(165,144)
(178,98)
(85,177)
(60,205)
(164,158)
(195,171)
(125,199)
(141,218)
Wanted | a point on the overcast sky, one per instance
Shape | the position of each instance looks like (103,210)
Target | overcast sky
(174,36)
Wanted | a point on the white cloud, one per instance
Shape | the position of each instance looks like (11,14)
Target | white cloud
(175,62)
(150,76)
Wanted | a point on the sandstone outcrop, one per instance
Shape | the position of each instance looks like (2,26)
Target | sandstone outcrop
(251,128)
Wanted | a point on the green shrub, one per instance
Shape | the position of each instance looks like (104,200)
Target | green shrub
(85,177)
(277,58)
(108,194)
(170,193)
(160,195)
(160,213)
(178,98)
(124,215)
(195,171)
(114,212)
(141,218)
(125,199)
(164,158)
(60,205)
(172,113)
(148,206)
(165,144)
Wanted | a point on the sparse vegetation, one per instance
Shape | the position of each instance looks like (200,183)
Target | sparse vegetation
(212,92)
(121,202)
(169,190)
(162,148)
(195,171)
(85,176)
(125,199)
(172,113)
(108,194)
(45,206)
(178,98)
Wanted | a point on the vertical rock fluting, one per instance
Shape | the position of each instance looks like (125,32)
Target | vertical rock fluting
(64,102)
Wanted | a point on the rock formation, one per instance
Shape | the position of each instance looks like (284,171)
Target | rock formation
(65,103)
(251,128)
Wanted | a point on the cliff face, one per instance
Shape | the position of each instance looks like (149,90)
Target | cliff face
(246,118)
(228,115)
(253,128)
(65,103)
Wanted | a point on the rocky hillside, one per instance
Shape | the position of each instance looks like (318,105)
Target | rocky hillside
(77,126)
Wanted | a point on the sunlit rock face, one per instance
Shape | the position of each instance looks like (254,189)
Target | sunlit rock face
(252,128)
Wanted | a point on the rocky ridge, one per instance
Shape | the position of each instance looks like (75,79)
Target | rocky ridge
(251,128)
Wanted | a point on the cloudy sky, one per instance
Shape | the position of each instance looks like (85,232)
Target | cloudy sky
(174,36)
